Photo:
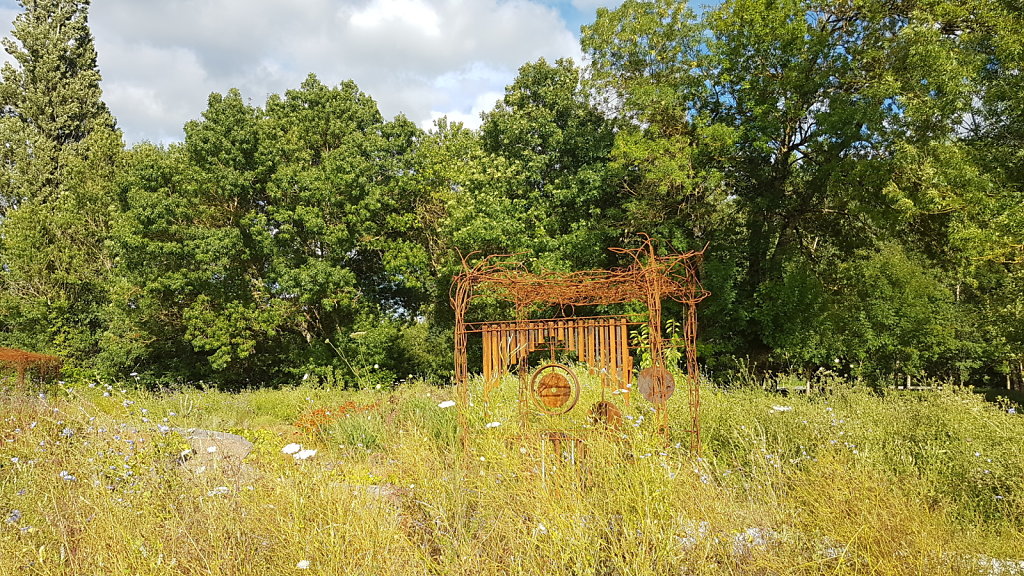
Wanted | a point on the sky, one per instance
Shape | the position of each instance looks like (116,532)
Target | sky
(161,59)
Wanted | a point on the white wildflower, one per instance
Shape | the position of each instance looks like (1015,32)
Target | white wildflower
(302,564)
(304,454)
(446,404)
(291,448)
(493,424)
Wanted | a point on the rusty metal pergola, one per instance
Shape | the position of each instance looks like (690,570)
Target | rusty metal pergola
(601,342)
(22,361)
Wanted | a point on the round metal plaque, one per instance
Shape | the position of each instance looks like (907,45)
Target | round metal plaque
(555,389)
(656,384)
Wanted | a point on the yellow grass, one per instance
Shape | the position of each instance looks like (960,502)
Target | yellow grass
(850,483)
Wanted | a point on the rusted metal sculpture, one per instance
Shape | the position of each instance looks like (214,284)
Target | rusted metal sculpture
(601,342)
(22,361)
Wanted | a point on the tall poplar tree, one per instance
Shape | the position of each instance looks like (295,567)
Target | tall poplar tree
(56,181)
(51,99)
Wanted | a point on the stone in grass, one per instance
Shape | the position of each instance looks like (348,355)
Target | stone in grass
(212,451)
(1000,567)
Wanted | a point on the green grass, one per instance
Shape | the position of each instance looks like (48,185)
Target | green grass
(844,483)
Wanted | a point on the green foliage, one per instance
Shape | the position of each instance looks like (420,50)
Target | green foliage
(57,199)
(897,313)
(557,145)
(643,58)
(54,88)
(854,168)
(269,236)
(799,138)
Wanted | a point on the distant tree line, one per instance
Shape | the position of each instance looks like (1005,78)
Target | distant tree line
(856,168)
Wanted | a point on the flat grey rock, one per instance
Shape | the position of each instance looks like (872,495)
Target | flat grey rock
(220,445)
(213,451)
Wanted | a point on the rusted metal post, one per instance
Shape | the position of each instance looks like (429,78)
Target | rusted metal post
(522,364)
(693,374)
(460,302)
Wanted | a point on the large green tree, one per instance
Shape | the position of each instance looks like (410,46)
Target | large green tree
(994,32)
(550,133)
(267,239)
(56,183)
(647,69)
(50,95)
(807,140)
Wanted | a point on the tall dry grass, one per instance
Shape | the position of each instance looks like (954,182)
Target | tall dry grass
(845,483)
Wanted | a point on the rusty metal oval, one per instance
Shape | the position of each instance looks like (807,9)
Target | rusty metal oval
(555,389)
(656,384)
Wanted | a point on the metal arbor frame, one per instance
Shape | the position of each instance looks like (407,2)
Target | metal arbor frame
(648,280)
(21,361)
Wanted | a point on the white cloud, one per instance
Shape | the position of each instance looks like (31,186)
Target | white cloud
(161,59)
(414,14)
(153,90)
(471,118)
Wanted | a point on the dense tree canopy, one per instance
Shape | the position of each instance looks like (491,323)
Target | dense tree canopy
(855,169)
(57,167)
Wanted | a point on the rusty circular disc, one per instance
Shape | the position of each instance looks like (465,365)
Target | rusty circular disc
(656,384)
(555,389)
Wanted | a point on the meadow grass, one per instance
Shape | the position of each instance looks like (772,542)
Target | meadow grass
(848,482)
